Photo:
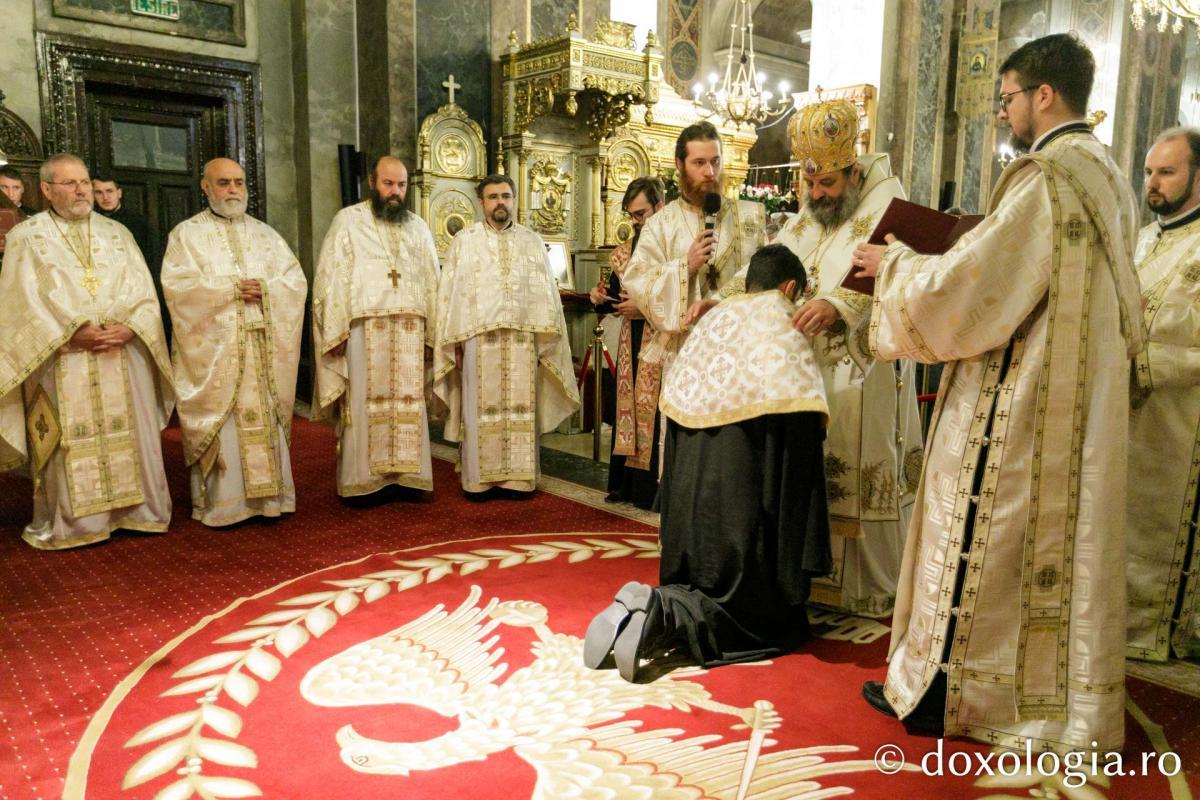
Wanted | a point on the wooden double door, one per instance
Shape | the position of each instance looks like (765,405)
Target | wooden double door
(155,145)
(151,119)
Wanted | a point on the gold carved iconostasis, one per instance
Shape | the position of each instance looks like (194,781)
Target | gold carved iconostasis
(581,118)
(451,159)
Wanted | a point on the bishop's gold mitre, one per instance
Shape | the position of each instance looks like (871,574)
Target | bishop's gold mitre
(824,135)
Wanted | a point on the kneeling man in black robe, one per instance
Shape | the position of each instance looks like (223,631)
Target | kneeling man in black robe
(745,527)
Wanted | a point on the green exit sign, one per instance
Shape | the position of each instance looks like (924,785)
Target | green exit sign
(163,9)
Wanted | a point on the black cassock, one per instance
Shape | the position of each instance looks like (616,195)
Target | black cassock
(745,529)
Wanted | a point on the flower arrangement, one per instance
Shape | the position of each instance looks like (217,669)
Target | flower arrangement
(770,196)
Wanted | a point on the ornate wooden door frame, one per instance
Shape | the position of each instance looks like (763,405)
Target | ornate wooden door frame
(67,64)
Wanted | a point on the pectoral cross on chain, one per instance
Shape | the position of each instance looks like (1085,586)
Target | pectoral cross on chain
(395,276)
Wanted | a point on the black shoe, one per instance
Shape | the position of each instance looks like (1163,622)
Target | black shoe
(612,497)
(872,692)
(919,723)
(604,629)
(478,497)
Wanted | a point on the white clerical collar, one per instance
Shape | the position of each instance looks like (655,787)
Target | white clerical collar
(1053,133)
(505,229)
(1180,219)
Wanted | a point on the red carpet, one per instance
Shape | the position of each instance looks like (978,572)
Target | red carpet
(79,624)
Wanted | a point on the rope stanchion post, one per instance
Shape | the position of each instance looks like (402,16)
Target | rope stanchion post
(597,386)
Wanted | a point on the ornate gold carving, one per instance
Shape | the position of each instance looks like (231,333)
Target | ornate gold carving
(452,211)
(613,33)
(452,155)
(633,65)
(625,167)
(552,187)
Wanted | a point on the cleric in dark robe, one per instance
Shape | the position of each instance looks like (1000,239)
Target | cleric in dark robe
(745,526)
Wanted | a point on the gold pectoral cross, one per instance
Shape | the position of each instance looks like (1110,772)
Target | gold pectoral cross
(90,282)
(395,276)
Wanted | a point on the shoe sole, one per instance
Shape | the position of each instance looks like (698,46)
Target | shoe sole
(604,630)
(625,651)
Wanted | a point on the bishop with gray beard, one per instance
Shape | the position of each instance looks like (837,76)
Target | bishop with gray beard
(873,445)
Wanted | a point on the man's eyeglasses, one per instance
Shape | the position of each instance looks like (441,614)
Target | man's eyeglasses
(71,186)
(1003,100)
(639,216)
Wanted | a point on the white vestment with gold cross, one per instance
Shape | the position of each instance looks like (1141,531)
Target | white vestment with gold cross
(376,291)
(1022,494)
(873,447)
(498,302)
(86,425)
(235,363)
(1163,569)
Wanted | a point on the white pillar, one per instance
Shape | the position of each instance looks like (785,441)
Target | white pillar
(847,43)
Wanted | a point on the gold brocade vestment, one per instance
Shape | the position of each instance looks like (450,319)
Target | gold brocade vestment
(498,303)
(1164,450)
(658,280)
(375,292)
(87,421)
(873,449)
(1035,312)
(235,362)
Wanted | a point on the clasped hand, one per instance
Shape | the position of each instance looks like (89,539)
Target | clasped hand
(99,338)
(251,291)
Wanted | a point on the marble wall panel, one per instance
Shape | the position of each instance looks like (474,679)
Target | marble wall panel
(926,120)
(456,39)
(401,77)
(331,112)
(18,65)
(549,17)
(374,116)
(279,126)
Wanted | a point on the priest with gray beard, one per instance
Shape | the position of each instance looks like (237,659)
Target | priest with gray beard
(873,450)
(374,300)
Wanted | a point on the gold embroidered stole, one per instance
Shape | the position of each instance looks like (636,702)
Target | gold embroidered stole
(395,392)
(506,384)
(258,431)
(637,400)
(99,443)
(1082,237)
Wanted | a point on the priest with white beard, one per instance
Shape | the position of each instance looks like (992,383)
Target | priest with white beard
(502,361)
(374,308)
(873,451)
(236,295)
(85,380)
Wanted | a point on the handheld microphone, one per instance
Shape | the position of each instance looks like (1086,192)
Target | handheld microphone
(712,207)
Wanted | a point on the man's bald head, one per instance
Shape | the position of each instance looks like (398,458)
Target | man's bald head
(389,189)
(224,184)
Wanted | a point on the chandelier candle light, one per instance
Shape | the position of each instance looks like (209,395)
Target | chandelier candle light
(740,97)
(1172,12)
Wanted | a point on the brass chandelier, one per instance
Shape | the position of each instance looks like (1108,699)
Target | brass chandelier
(1170,13)
(740,97)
